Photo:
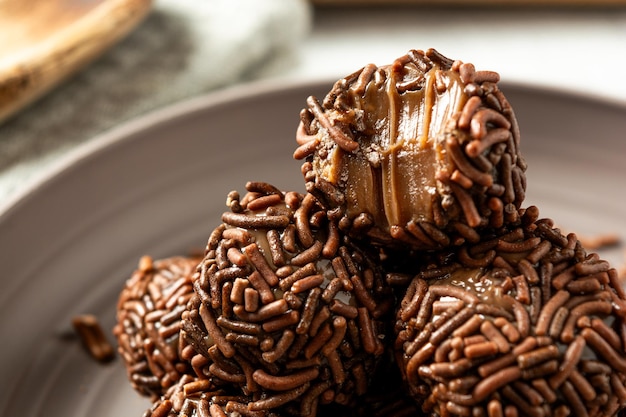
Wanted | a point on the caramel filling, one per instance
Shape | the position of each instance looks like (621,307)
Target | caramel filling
(393,175)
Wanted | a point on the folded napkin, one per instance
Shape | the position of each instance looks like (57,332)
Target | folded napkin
(184,48)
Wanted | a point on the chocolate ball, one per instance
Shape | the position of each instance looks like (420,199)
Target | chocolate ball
(287,308)
(149,311)
(523,323)
(422,153)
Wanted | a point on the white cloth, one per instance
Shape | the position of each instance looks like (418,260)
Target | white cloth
(182,49)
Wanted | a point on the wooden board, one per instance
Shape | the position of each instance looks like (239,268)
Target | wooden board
(44,42)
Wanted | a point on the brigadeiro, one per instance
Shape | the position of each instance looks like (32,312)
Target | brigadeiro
(422,153)
(286,307)
(524,323)
(149,310)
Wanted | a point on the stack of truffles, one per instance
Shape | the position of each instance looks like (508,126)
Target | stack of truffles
(407,280)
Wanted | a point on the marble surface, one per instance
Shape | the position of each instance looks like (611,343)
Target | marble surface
(183,48)
(576,49)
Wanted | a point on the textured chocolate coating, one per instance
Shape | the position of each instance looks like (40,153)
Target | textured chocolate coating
(421,152)
(148,322)
(193,397)
(525,323)
(285,307)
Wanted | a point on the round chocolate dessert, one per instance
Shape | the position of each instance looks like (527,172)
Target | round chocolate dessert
(149,311)
(286,308)
(525,323)
(421,152)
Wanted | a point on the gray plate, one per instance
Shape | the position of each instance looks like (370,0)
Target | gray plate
(157,186)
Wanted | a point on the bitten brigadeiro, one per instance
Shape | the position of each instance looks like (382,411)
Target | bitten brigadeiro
(422,152)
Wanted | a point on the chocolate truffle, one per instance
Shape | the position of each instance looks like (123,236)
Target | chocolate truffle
(149,310)
(287,308)
(421,152)
(525,323)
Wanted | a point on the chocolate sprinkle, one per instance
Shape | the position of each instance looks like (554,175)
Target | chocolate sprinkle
(93,338)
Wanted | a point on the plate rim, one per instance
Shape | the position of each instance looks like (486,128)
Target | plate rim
(99,143)
(169,113)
